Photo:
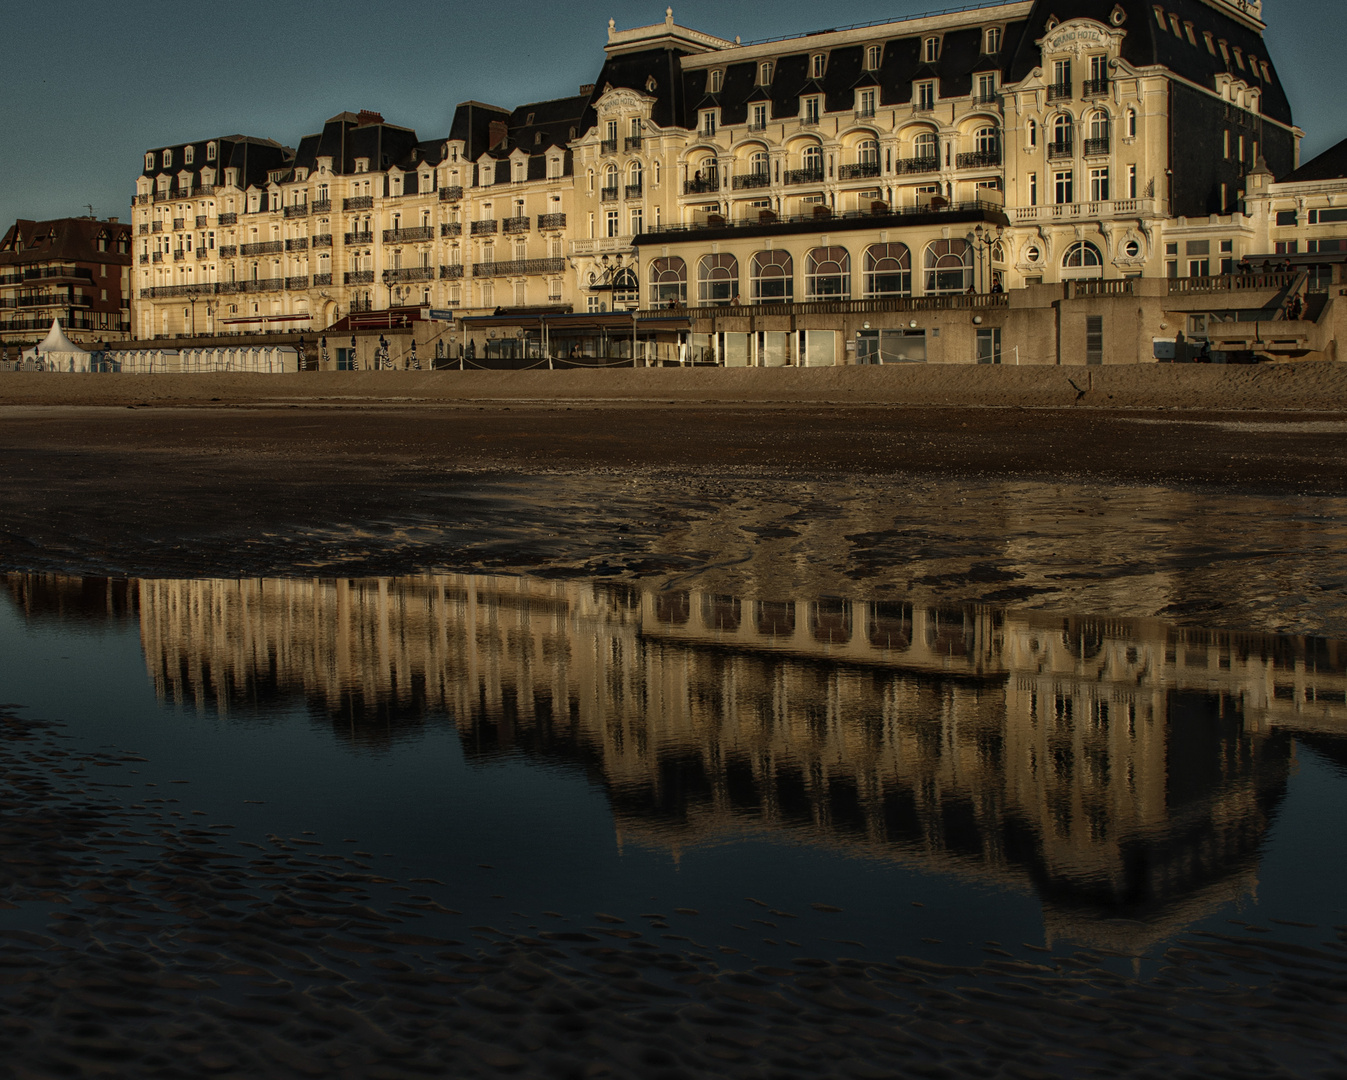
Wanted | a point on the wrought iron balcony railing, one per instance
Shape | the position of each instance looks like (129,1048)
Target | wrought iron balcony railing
(297,210)
(551,221)
(1095,147)
(297,243)
(803,176)
(323,240)
(228,219)
(451,194)
(518,267)
(264,247)
(358,277)
(319,280)
(979,159)
(1063,148)
(700,185)
(322,206)
(409,273)
(179,223)
(201,221)
(179,254)
(485,227)
(408,236)
(358,202)
(633,142)
(511,225)
(359,238)
(751,180)
(608,194)
(1059,92)
(144,229)
(632,191)
(228,251)
(156,226)
(451,272)
(1095,88)
(202,253)
(858,171)
(608,146)
(451,228)
(301,282)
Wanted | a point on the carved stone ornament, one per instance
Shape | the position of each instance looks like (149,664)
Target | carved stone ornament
(621,101)
(1077,37)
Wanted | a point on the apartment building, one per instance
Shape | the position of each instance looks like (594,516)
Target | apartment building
(75,270)
(999,148)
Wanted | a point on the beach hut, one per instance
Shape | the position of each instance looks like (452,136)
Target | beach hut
(57,352)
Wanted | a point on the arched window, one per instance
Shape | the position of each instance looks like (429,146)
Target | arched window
(669,281)
(1099,125)
(987,142)
(868,152)
(949,267)
(827,274)
(717,279)
(812,160)
(1082,255)
(610,179)
(886,270)
(926,147)
(1131,123)
(626,288)
(1062,131)
(759,164)
(634,174)
(771,277)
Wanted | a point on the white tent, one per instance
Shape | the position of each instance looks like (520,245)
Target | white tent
(57,352)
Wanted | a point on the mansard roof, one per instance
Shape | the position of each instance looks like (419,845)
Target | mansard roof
(1146,44)
(348,136)
(1330,165)
(656,73)
(67,239)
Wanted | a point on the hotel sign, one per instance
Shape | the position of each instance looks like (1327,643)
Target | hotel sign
(1075,37)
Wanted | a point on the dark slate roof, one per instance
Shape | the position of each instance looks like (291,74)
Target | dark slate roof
(348,136)
(634,70)
(552,124)
(1330,165)
(66,239)
(472,127)
(254,158)
(1146,44)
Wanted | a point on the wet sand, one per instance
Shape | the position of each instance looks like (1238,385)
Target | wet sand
(149,940)
(1126,511)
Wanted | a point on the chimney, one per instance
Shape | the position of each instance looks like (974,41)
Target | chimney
(367,116)
(498,131)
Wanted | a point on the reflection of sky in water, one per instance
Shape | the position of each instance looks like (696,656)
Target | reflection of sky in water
(936,773)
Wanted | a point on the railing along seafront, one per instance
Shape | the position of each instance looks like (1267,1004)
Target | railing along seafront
(955,302)
(1231,283)
(823,215)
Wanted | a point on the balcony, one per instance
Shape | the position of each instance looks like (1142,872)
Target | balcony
(1096,147)
(632,191)
(1084,211)
(551,221)
(608,146)
(144,229)
(751,180)
(322,206)
(297,243)
(511,225)
(179,255)
(986,100)
(264,247)
(452,272)
(144,260)
(228,251)
(451,194)
(518,267)
(803,176)
(359,202)
(451,228)
(485,227)
(157,226)
(359,238)
(358,277)
(202,253)
(179,223)
(809,121)
(754,127)
(907,166)
(979,159)
(297,210)
(608,194)
(323,240)
(142,199)
(1059,92)
(983,210)
(409,236)
(1095,88)
(861,170)
(266,284)
(701,185)
(319,280)
(157,256)
(409,273)
(201,221)
(633,142)
(228,219)
(301,282)
(1058,150)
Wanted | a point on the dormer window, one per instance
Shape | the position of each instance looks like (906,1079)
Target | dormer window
(873,55)
(818,64)
(188,155)
(168,159)
(713,83)
(149,161)
(1225,51)
(765,73)
(991,41)
(210,151)
(708,125)
(813,108)
(362,165)
(930,50)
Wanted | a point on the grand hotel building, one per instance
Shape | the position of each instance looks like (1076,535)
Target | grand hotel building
(998,148)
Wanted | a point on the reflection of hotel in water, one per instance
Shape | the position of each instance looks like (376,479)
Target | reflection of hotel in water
(1124,766)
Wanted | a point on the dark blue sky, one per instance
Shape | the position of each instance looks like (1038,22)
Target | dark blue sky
(90,85)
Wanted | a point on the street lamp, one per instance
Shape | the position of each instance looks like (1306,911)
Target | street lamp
(983,242)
